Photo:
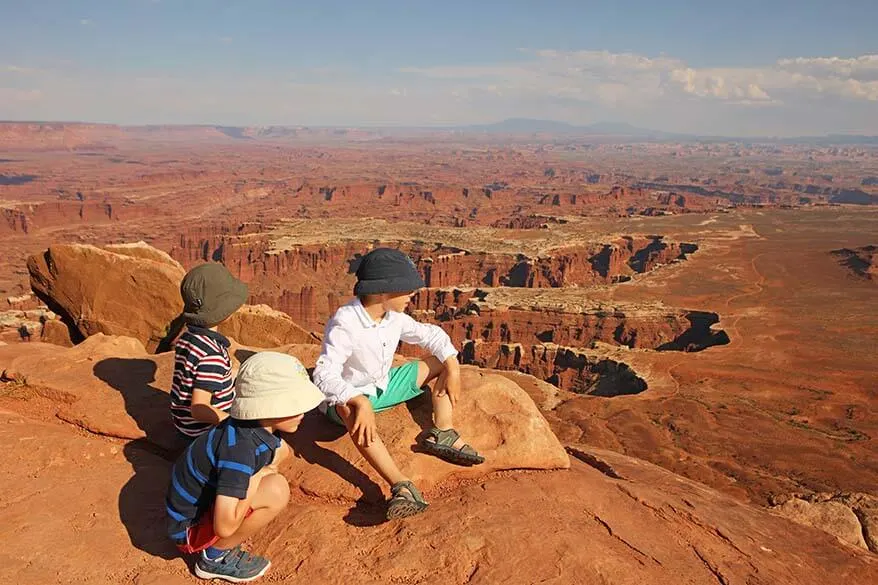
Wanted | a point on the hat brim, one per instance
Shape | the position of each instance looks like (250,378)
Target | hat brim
(228,303)
(389,285)
(302,396)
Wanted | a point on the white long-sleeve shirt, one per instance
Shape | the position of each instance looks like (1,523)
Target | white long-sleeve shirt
(358,352)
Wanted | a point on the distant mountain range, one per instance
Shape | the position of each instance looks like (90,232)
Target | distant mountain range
(529,126)
(512,127)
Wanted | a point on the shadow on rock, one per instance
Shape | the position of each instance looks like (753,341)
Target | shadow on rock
(142,500)
(316,429)
(242,355)
(365,514)
(421,409)
(148,405)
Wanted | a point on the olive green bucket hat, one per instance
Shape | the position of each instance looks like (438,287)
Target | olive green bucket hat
(211,294)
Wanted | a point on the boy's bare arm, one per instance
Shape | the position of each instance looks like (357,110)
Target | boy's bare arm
(364,429)
(203,411)
(280,455)
(452,380)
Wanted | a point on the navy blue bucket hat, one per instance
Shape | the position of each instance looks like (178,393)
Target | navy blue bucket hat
(385,270)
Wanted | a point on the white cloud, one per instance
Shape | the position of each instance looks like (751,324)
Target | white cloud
(85,21)
(792,96)
(863,68)
(608,78)
(613,77)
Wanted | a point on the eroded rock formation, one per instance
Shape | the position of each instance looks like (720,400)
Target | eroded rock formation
(134,290)
(862,262)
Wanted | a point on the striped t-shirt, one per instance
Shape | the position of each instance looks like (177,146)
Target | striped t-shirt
(201,362)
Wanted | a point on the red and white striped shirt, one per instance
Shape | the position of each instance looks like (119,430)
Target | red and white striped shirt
(201,362)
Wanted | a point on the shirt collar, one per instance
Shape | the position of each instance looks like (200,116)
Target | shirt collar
(366,319)
(259,433)
(215,335)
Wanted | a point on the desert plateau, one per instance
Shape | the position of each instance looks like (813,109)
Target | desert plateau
(669,349)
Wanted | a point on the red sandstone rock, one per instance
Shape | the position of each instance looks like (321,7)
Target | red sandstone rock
(641,524)
(852,518)
(99,291)
(51,136)
(112,386)
(309,281)
(143,250)
(262,326)
(134,289)
(54,331)
(833,517)
(23,302)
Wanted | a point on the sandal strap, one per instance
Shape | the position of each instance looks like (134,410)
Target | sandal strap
(468,450)
(446,438)
(413,493)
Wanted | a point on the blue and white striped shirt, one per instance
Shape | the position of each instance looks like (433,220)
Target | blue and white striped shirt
(218,463)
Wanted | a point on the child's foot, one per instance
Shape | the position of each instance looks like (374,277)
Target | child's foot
(236,566)
(406,501)
(449,446)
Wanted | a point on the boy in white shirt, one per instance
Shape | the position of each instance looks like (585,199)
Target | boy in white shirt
(354,371)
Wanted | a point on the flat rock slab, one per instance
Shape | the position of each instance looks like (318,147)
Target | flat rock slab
(113,386)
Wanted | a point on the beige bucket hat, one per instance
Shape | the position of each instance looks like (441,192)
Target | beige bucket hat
(273,385)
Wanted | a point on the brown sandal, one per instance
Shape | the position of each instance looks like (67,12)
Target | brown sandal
(441,444)
(406,501)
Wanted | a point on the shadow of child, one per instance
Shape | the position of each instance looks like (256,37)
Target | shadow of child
(315,429)
(142,499)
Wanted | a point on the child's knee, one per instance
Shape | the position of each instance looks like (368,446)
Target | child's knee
(275,491)
(429,369)
(345,413)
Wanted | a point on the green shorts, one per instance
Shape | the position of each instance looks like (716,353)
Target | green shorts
(402,386)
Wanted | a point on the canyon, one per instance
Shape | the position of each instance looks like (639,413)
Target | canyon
(693,322)
(862,262)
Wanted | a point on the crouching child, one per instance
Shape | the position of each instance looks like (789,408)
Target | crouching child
(225,487)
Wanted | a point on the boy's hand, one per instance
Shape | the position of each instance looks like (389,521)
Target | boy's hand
(452,380)
(364,429)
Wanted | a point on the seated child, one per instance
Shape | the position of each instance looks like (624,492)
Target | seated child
(202,390)
(225,487)
(354,371)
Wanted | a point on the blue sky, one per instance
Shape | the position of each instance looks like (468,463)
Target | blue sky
(745,67)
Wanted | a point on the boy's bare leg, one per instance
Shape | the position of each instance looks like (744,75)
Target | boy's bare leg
(376,454)
(272,495)
(430,369)
(442,409)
